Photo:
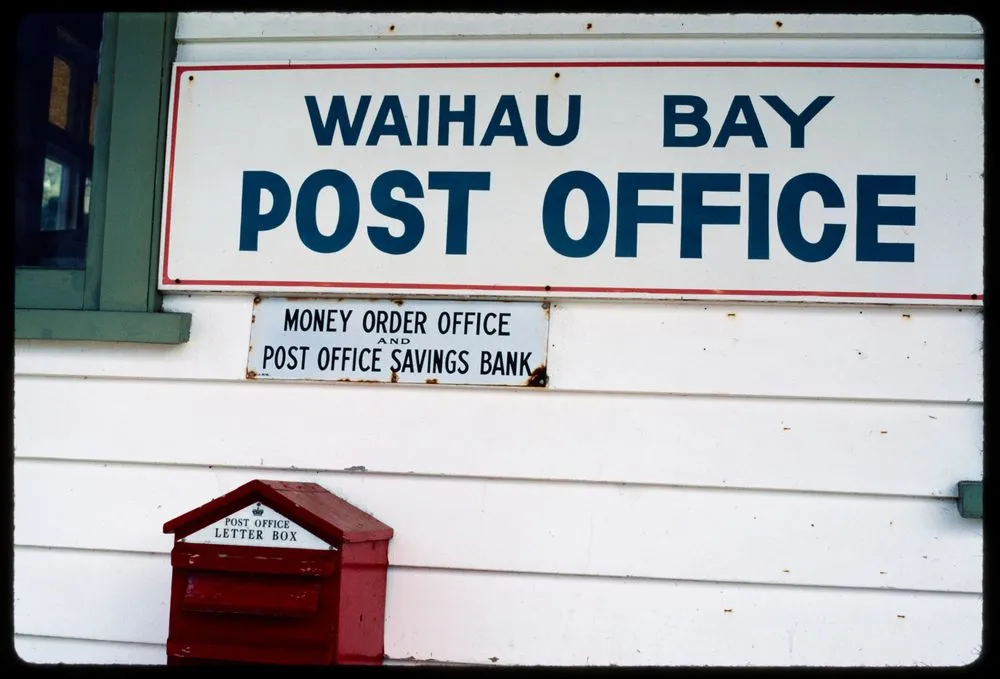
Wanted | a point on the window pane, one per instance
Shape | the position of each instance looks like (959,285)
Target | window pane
(59,93)
(54,208)
(86,200)
(56,59)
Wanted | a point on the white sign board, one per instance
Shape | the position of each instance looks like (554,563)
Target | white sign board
(846,181)
(257,525)
(411,341)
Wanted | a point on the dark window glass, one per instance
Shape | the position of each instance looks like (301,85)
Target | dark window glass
(56,95)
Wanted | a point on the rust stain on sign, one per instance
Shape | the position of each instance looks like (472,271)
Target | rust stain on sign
(539,377)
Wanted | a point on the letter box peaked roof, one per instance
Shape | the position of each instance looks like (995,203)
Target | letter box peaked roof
(310,505)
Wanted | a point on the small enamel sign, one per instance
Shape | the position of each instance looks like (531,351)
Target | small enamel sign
(405,341)
(257,525)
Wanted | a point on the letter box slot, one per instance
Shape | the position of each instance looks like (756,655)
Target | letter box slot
(196,557)
(255,596)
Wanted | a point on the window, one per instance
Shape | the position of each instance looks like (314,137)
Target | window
(92,94)
(56,88)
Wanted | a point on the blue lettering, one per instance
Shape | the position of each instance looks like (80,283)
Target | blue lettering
(323,130)
(382,128)
(542,121)
(554,214)
(458,185)
(252,222)
(466,116)
(871,215)
(506,107)
(749,128)
(409,215)
(790,217)
(695,214)
(758,240)
(423,115)
(347,218)
(797,121)
(695,117)
(631,214)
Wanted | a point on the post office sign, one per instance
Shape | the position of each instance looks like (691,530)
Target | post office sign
(845,181)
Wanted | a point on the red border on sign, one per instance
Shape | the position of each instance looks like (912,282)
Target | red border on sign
(166,280)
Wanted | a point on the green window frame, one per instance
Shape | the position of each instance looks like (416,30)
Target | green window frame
(115,298)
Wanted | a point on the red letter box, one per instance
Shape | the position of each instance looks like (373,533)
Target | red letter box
(277,572)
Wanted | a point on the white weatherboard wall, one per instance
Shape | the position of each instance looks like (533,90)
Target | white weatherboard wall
(700,484)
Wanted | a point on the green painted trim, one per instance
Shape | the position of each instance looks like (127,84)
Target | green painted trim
(970,499)
(166,70)
(48,288)
(130,215)
(99,173)
(102,326)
